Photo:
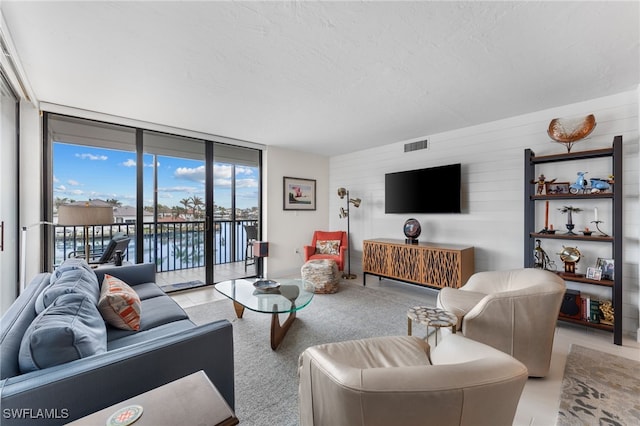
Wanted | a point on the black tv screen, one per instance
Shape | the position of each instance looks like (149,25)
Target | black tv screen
(431,190)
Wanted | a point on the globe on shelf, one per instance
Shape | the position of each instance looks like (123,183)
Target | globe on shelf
(412,230)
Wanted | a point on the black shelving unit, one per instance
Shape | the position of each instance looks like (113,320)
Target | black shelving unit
(530,233)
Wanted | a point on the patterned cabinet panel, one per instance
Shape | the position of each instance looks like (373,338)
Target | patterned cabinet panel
(374,257)
(443,265)
(407,263)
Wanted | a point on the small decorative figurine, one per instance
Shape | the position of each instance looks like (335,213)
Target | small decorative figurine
(541,183)
(569,210)
(541,259)
(580,184)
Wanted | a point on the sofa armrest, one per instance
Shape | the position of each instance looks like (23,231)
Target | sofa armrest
(73,390)
(139,273)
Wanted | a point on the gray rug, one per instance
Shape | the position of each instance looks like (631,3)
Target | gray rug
(599,389)
(266,380)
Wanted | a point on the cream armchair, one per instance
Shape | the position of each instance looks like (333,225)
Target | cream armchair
(397,380)
(514,311)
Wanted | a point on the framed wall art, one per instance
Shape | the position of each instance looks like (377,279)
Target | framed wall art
(299,194)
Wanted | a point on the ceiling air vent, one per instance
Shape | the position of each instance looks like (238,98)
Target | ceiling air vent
(415,146)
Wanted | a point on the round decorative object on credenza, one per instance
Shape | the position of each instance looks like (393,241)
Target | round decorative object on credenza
(412,230)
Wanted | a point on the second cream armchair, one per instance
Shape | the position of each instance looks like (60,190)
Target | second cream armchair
(514,311)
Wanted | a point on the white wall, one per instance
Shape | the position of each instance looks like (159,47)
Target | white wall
(288,230)
(492,157)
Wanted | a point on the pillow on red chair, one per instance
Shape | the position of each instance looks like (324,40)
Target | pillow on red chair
(328,247)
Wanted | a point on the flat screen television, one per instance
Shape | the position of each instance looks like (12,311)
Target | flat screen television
(431,190)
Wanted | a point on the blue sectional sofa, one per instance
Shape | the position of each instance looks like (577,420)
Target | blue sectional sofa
(99,365)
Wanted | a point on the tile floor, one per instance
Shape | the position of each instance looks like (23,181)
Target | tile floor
(541,397)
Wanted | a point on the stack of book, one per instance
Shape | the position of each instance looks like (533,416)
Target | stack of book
(590,308)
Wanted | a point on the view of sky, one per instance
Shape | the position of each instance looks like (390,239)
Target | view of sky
(83,172)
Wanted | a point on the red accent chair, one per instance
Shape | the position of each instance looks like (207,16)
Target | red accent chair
(310,251)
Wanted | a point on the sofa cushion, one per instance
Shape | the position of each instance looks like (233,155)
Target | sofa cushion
(71,279)
(119,304)
(156,333)
(70,328)
(156,312)
(148,290)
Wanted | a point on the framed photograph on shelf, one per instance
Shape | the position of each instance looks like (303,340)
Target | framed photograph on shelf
(594,273)
(299,194)
(607,268)
(557,188)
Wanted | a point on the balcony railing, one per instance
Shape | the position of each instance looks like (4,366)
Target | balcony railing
(170,245)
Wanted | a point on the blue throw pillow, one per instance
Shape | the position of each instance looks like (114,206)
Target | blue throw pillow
(71,328)
(70,280)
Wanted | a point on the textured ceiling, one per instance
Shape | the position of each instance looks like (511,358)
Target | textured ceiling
(324,77)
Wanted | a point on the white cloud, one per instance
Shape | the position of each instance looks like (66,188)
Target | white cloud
(222,171)
(222,182)
(246,183)
(188,189)
(129,163)
(240,170)
(73,182)
(92,157)
(190,173)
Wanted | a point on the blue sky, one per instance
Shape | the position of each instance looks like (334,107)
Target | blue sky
(82,173)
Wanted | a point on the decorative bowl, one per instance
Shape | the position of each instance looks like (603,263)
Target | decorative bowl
(264,285)
(565,130)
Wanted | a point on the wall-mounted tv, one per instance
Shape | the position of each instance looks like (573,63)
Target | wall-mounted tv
(431,190)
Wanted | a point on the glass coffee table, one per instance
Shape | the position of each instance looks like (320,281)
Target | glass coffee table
(269,297)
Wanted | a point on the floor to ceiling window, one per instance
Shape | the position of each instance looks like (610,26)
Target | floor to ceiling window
(196,231)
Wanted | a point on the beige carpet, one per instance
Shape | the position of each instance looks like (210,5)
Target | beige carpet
(599,389)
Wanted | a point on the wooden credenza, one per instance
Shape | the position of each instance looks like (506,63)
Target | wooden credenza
(427,264)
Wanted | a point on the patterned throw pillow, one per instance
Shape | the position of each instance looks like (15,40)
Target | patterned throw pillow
(328,247)
(119,304)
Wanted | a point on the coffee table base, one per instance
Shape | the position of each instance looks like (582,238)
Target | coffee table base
(278,331)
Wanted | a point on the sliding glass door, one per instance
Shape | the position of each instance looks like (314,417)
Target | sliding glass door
(237,216)
(190,206)
(174,194)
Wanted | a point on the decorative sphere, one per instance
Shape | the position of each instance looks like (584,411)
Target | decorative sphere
(412,228)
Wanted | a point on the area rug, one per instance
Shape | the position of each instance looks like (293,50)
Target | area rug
(599,389)
(266,381)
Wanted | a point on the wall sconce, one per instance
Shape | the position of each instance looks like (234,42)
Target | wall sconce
(342,192)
